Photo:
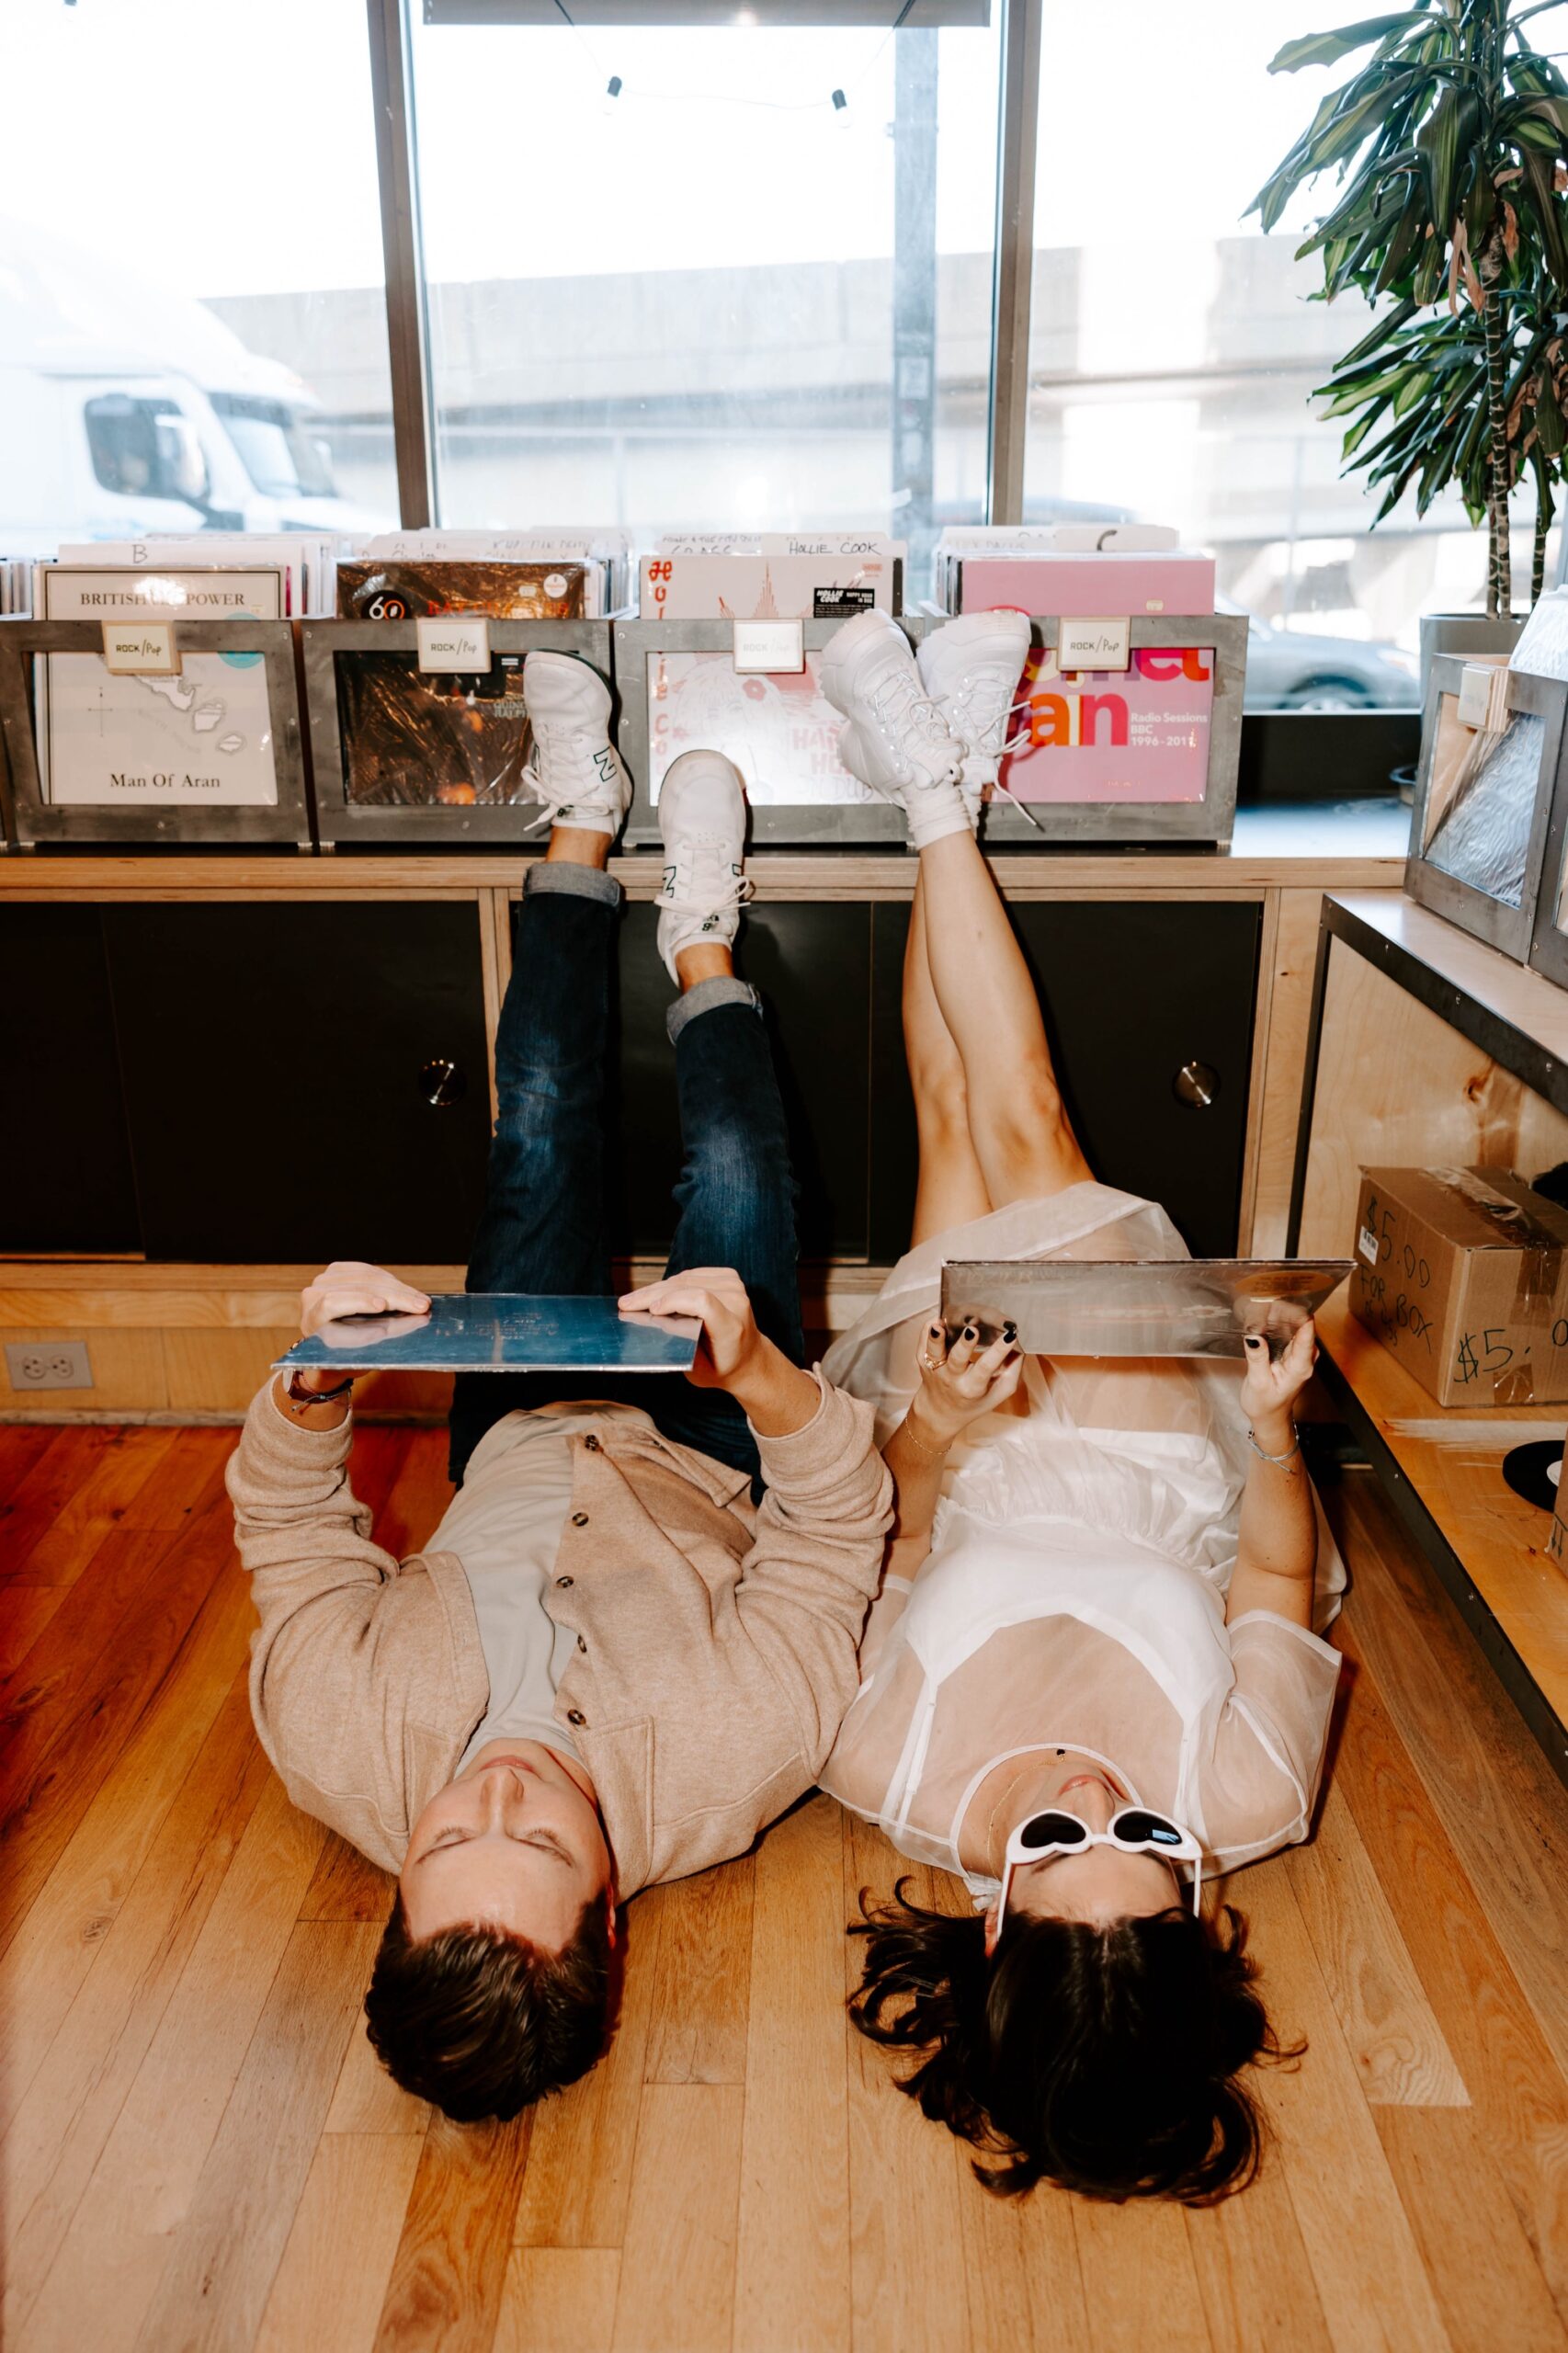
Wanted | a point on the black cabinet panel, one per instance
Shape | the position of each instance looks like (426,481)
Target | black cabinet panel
(812,966)
(1133,991)
(65,1178)
(274,1061)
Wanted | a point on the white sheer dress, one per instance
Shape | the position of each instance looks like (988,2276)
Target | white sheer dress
(1074,1595)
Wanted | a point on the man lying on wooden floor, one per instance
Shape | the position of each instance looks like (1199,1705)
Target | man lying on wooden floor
(612,1666)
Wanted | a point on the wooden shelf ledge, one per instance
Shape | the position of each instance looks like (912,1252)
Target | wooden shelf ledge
(1442,1469)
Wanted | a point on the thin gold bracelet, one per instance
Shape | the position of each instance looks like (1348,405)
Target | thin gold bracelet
(932,1453)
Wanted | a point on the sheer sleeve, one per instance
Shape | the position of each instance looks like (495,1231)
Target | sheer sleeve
(1260,1784)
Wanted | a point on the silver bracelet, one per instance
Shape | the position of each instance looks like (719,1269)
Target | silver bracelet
(1278,1461)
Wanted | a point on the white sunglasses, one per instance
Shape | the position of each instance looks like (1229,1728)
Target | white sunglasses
(1132,1829)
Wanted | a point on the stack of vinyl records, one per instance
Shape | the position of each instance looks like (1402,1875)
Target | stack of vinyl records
(16,586)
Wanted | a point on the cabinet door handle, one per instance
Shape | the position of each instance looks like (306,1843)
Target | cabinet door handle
(1196,1083)
(441,1081)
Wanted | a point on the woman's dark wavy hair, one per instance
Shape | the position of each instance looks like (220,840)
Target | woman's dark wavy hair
(483,2023)
(1102,2058)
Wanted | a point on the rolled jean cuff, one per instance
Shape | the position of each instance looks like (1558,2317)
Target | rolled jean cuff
(705,997)
(575,881)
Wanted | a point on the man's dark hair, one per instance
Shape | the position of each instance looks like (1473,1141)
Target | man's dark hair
(483,2023)
(1102,2058)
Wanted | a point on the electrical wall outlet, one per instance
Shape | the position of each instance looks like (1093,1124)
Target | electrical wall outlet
(49,1364)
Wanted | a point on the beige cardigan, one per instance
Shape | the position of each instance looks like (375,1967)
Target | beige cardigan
(717,1643)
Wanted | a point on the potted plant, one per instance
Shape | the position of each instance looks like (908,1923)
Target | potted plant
(1450,144)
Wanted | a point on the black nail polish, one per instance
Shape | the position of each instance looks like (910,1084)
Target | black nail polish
(1009,1332)
(935,1331)
(969,1332)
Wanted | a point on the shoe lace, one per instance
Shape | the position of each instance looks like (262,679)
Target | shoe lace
(900,708)
(702,878)
(562,750)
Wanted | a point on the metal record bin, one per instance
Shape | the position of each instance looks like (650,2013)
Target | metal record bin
(32,820)
(1483,806)
(666,667)
(760,720)
(357,740)
(1208,822)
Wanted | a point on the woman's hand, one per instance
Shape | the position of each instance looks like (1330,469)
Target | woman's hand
(1271,1389)
(960,1380)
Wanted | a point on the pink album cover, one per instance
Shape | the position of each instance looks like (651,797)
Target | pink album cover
(1075,586)
(1133,735)
(779,728)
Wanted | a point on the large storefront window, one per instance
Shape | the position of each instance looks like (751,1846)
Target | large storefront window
(1173,352)
(192,320)
(716,297)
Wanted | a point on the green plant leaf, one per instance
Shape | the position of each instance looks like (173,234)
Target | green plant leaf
(1326,49)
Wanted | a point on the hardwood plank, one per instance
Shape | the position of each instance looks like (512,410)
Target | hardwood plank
(349,1886)
(364,2098)
(1519,2095)
(21,1443)
(1503,1807)
(792,2280)
(1370,2279)
(1482,2267)
(25,1611)
(62,1938)
(64,2123)
(120,2239)
(1021,2255)
(339,2253)
(677,2272)
(1254,2280)
(1140,2282)
(67,1735)
(908,2285)
(450,2267)
(701,1995)
(579,2174)
(559,2299)
(53,1543)
(187,1475)
(1386,2019)
(226,2254)
(45,1479)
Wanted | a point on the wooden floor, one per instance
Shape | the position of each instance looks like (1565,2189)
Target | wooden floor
(201,2150)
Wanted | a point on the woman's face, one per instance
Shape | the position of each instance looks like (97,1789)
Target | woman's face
(1099,1884)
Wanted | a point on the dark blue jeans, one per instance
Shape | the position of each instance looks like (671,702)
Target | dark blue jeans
(542,1228)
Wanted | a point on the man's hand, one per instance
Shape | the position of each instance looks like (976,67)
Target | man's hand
(732,1354)
(350,1287)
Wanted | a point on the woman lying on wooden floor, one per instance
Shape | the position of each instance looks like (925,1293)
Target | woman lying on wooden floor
(1090,1680)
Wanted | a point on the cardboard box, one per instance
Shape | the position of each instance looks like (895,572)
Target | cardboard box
(1462,1274)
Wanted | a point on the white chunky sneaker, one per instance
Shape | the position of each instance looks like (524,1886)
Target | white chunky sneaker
(702,819)
(971,668)
(894,738)
(573,767)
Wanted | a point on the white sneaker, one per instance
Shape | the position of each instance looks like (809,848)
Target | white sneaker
(971,668)
(702,820)
(895,740)
(573,767)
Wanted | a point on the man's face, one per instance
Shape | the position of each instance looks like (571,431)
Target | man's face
(513,1843)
